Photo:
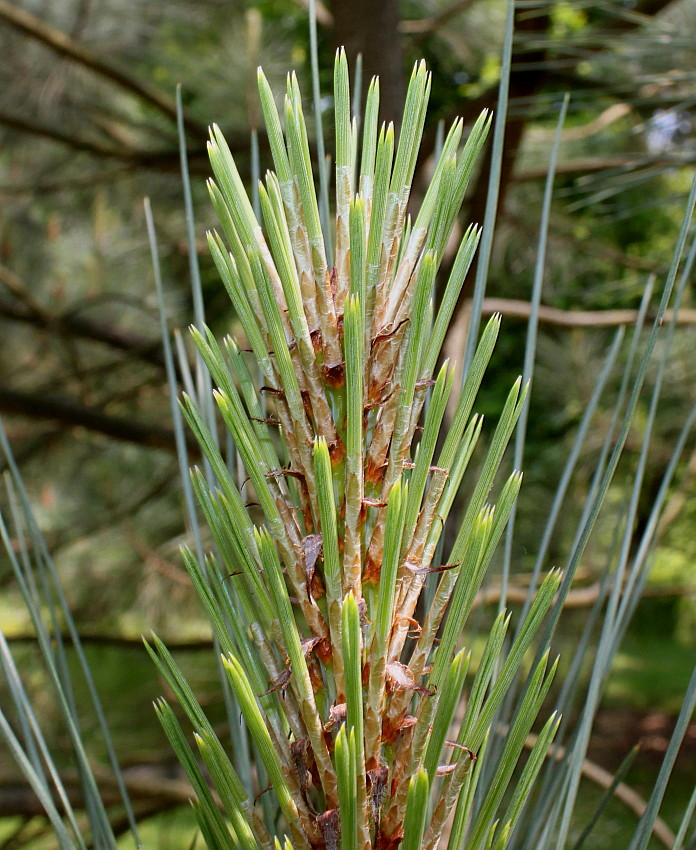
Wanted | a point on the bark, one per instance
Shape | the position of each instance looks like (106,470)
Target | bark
(371,27)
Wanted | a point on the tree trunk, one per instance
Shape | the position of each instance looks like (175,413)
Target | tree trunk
(371,27)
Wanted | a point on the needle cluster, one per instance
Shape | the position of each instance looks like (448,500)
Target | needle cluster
(332,395)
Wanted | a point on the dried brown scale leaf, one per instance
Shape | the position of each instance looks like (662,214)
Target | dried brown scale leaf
(376,790)
(386,333)
(374,503)
(295,570)
(303,260)
(337,451)
(311,549)
(309,294)
(300,375)
(315,676)
(398,454)
(298,438)
(390,732)
(274,278)
(301,754)
(300,835)
(379,403)
(332,285)
(375,548)
(307,404)
(262,792)
(309,833)
(279,685)
(313,397)
(353,532)
(413,626)
(352,562)
(391,842)
(315,336)
(459,746)
(372,571)
(432,622)
(384,357)
(324,651)
(282,473)
(308,645)
(337,716)
(400,678)
(323,768)
(267,421)
(420,394)
(445,769)
(377,455)
(329,825)
(334,374)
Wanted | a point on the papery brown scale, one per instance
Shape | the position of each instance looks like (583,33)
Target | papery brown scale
(374,471)
(308,645)
(267,421)
(323,650)
(315,676)
(316,586)
(337,450)
(329,826)
(334,374)
(272,391)
(391,731)
(415,627)
(400,678)
(390,842)
(311,549)
(384,428)
(300,752)
(279,684)
(307,404)
(285,473)
(317,342)
(445,769)
(376,789)
(381,401)
(333,279)
(372,571)
(374,503)
(337,716)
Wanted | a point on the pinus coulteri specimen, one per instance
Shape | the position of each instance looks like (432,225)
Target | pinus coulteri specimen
(348,688)
(339,608)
